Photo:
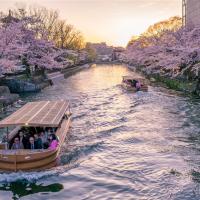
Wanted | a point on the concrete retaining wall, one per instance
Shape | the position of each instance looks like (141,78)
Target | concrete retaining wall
(193,13)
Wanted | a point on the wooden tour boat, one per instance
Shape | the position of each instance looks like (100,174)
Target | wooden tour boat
(128,80)
(43,114)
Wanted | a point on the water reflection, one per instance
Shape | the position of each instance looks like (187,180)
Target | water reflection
(99,79)
(24,188)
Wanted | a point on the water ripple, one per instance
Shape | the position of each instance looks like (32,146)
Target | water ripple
(142,146)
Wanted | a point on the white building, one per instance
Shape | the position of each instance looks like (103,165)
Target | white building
(191,12)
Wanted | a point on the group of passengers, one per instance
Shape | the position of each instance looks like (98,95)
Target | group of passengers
(134,83)
(43,140)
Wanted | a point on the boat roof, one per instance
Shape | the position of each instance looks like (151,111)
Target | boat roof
(38,114)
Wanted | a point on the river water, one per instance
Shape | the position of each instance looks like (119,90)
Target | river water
(142,146)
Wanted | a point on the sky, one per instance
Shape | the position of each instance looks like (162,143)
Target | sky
(110,21)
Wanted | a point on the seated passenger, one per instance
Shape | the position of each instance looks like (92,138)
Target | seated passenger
(38,142)
(31,145)
(128,82)
(53,130)
(17,144)
(53,142)
(44,139)
(5,138)
(23,139)
(133,83)
(48,132)
(138,85)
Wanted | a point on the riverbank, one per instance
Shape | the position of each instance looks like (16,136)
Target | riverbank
(7,98)
(21,84)
(188,86)
(12,87)
(71,70)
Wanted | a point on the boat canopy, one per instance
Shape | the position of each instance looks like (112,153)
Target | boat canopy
(132,78)
(38,114)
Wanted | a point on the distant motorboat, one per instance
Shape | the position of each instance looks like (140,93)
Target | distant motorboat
(129,83)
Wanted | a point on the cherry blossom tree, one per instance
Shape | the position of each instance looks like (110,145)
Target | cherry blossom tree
(12,46)
(167,53)
(19,41)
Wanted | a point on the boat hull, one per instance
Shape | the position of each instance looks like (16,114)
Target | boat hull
(34,160)
(144,88)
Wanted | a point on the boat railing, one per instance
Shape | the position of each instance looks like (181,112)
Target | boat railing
(21,151)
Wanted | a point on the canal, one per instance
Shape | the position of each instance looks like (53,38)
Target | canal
(143,146)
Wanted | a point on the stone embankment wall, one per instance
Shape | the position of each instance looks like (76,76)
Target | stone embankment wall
(6,97)
(19,85)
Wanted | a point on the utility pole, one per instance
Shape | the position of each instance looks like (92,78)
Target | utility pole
(184,12)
